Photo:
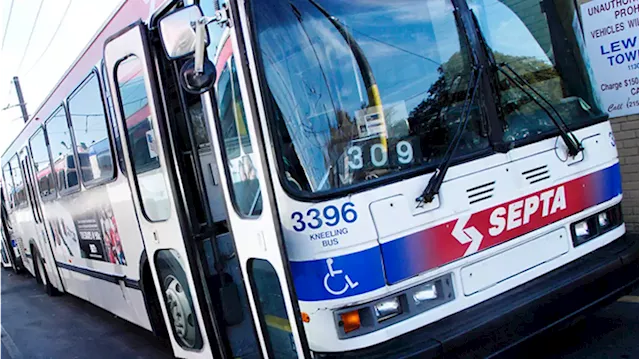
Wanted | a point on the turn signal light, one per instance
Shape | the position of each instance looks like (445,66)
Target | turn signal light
(305,317)
(350,321)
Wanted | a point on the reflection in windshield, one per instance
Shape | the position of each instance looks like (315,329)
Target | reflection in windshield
(537,40)
(326,91)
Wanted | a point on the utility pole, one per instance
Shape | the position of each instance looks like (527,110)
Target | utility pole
(23,106)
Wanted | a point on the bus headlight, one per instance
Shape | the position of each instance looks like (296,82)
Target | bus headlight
(582,230)
(387,308)
(596,224)
(425,293)
(368,317)
(603,220)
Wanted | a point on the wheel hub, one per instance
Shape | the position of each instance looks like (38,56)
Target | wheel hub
(180,311)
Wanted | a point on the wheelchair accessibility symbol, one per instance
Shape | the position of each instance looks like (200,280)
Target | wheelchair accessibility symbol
(332,273)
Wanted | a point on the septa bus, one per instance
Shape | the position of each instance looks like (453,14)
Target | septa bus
(318,178)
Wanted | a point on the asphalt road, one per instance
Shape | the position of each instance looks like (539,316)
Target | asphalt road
(37,326)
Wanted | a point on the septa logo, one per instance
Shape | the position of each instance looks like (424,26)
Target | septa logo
(520,212)
(508,217)
(469,235)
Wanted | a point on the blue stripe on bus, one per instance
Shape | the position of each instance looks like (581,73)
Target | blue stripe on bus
(115,279)
(338,277)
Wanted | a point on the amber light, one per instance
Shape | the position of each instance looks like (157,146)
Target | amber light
(305,317)
(350,321)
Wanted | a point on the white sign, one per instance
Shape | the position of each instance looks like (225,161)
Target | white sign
(611,38)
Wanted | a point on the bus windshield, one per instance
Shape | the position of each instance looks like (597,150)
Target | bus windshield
(360,90)
(536,40)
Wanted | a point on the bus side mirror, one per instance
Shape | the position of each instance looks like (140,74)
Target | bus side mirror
(184,33)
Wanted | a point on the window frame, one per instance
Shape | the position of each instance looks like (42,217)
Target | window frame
(67,191)
(110,136)
(52,196)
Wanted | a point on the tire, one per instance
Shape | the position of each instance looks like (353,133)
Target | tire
(42,277)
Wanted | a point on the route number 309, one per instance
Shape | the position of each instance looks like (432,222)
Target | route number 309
(378,155)
(330,216)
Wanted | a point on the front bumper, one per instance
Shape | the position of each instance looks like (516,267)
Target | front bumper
(498,323)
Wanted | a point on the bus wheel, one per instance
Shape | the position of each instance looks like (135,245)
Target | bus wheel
(41,275)
(179,308)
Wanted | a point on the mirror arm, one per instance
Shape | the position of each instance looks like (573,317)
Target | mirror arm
(200,45)
(200,25)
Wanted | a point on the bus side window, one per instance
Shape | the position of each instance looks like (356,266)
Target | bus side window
(42,165)
(20,195)
(64,165)
(8,183)
(246,195)
(89,124)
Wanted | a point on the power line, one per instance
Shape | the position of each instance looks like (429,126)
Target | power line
(35,23)
(51,39)
(6,27)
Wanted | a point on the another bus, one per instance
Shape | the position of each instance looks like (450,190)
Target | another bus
(318,178)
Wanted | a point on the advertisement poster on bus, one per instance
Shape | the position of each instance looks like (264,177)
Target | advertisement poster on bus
(611,37)
(87,230)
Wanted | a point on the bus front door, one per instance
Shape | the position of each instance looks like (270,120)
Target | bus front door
(251,204)
(178,281)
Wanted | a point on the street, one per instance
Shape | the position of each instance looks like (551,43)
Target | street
(35,325)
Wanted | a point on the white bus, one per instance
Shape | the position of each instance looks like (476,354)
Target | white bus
(317,178)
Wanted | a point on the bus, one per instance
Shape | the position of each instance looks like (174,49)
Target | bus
(323,179)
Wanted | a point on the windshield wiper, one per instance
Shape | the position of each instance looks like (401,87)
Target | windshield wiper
(433,187)
(573,144)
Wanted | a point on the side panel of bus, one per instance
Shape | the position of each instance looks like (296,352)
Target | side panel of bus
(92,226)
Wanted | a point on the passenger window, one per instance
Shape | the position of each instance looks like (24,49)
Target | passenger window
(8,181)
(64,164)
(246,193)
(20,195)
(89,123)
(141,140)
(41,163)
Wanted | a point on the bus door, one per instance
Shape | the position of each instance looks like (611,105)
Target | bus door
(251,205)
(174,265)
(37,231)
(247,187)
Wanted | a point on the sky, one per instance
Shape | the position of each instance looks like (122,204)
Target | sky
(41,61)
